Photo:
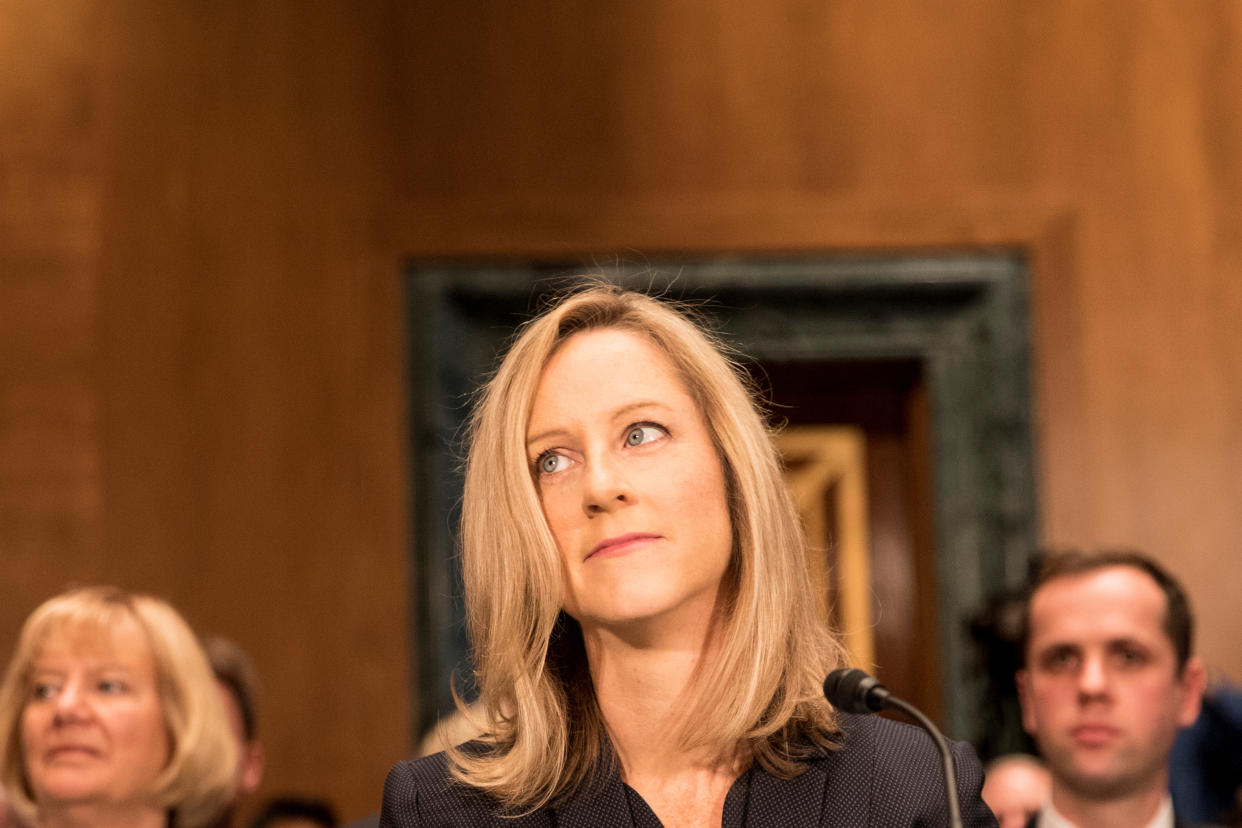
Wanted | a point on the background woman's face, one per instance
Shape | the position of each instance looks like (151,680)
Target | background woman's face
(630,482)
(92,727)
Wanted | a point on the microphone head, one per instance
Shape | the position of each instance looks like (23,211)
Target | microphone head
(853,691)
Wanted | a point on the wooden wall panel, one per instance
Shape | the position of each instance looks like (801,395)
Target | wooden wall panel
(202,380)
(251,405)
(1102,139)
(203,209)
(49,219)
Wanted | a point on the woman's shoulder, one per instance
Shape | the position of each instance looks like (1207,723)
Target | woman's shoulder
(427,774)
(893,771)
(883,743)
(423,792)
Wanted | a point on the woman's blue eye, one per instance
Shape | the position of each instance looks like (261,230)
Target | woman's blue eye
(111,686)
(639,434)
(550,463)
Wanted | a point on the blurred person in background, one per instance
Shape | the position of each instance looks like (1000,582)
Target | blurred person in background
(1108,681)
(1205,768)
(110,717)
(8,819)
(295,812)
(1015,787)
(239,689)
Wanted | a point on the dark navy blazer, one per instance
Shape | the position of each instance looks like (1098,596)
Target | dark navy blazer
(886,775)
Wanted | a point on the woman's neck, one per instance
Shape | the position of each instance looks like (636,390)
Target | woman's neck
(96,815)
(644,684)
(644,680)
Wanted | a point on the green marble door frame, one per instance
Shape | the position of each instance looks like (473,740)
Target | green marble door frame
(964,318)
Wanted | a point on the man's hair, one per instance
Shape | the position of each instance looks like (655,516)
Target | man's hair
(233,669)
(1179,622)
(761,692)
(283,808)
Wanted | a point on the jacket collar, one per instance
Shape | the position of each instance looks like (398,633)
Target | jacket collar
(596,804)
(797,802)
(793,803)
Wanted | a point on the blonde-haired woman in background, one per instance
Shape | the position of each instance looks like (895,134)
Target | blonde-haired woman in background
(645,641)
(110,716)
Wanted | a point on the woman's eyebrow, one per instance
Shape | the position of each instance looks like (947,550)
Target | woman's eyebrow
(615,414)
(543,435)
(47,671)
(622,410)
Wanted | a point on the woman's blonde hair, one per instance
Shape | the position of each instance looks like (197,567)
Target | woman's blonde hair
(199,779)
(760,694)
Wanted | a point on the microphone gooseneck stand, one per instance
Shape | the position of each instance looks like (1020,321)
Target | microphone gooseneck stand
(854,691)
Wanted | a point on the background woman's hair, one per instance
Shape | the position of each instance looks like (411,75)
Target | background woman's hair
(760,693)
(199,780)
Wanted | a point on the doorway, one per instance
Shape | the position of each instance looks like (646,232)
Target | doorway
(926,356)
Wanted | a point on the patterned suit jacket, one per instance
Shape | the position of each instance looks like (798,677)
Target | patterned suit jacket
(886,775)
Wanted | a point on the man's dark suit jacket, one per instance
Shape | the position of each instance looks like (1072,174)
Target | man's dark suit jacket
(1178,822)
(886,775)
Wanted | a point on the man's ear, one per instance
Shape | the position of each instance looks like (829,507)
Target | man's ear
(1022,680)
(253,762)
(1193,682)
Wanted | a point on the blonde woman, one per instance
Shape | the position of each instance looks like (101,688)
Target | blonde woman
(645,643)
(110,716)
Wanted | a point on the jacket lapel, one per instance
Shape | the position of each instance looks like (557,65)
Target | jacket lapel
(815,797)
(602,804)
(789,803)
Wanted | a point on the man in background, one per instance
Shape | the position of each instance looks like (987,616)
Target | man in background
(1015,787)
(239,687)
(295,812)
(1108,680)
(8,819)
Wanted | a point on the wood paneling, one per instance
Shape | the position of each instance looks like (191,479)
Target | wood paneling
(49,218)
(203,208)
(1103,139)
(205,391)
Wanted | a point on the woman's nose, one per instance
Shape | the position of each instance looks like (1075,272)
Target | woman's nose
(604,486)
(70,701)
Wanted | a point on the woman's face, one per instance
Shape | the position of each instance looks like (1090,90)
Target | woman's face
(92,728)
(630,482)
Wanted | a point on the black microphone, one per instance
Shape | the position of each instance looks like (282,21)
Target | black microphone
(854,691)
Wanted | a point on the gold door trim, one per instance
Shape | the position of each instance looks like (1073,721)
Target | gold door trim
(826,472)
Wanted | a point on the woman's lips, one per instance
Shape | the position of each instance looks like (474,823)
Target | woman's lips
(621,544)
(69,751)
